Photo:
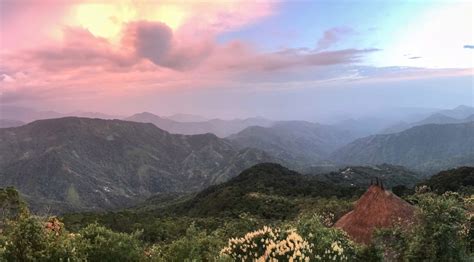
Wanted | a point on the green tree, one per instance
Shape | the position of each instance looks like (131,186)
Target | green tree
(11,206)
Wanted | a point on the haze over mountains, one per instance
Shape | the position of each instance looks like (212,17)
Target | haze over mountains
(26,115)
(89,164)
(460,114)
(298,143)
(220,128)
(4,123)
(428,147)
(187,118)
(388,120)
(76,163)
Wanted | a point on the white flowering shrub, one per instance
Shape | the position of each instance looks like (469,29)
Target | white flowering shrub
(328,244)
(268,244)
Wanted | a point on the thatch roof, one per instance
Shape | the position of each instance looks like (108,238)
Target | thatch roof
(377,208)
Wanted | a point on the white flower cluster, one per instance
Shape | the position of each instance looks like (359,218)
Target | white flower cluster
(269,245)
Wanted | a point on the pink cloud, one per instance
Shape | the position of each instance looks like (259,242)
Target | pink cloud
(149,55)
(79,48)
(239,56)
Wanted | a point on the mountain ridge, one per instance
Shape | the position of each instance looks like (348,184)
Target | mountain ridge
(219,127)
(298,143)
(73,162)
(429,147)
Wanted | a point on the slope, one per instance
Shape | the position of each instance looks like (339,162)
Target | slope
(266,190)
(428,148)
(93,164)
(298,143)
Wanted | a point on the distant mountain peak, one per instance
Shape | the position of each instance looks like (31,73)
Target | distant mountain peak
(145,113)
(463,107)
(187,118)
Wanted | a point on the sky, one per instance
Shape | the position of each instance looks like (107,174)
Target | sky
(235,58)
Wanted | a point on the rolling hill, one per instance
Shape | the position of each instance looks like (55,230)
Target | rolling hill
(73,163)
(266,190)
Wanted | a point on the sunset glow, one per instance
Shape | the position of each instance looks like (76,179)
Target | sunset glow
(58,54)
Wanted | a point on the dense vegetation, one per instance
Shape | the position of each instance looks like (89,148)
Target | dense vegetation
(268,191)
(181,231)
(361,176)
(80,164)
(458,179)
(427,148)
(265,193)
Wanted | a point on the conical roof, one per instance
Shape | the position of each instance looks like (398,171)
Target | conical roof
(377,208)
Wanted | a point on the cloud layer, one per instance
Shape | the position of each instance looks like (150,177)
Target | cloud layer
(80,51)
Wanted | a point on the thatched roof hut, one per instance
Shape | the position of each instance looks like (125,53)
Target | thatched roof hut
(377,208)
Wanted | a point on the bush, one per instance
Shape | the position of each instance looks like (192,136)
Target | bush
(102,244)
(442,232)
(268,244)
(328,243)
(439,234)
(310,240)
(195,245)
(30,239)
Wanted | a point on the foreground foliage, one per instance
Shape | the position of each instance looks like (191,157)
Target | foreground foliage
(443,231)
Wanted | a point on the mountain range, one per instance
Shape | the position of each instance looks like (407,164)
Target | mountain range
(219,127)
(77,163)
(4,123)
(26,115)
(428,147)
(93,164)
(460,114)
(437,118)
(297,143)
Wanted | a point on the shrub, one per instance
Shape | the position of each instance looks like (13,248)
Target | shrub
(442,231)
(102,244)
(328,243)
(12,207)
(195,245)
(30,239)
(268,244)
(439,234)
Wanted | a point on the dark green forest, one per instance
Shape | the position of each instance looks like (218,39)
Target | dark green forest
(267,213)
